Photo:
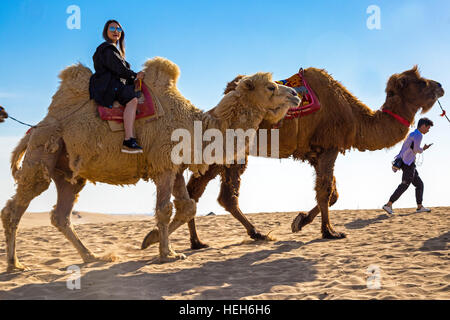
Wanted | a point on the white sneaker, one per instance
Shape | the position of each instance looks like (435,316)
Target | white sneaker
(388,209)
(423,209)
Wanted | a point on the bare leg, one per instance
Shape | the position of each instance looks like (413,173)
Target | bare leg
(185,210)
(196,186)
(129,115)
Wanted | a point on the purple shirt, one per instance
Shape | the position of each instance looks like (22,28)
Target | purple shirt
(407,153)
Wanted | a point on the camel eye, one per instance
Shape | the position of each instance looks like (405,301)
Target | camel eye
(271,88)
(422,83)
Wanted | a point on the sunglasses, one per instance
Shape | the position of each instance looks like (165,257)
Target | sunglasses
(112,29)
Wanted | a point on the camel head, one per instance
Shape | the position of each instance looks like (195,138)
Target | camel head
(3,114)
(261,91)
(411,89)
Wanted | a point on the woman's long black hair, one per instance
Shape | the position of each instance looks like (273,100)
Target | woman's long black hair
(122,36)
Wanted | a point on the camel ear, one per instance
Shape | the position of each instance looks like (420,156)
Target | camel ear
(248,84)
(402,83)
(231,86)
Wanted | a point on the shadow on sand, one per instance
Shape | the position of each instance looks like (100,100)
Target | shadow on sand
(362,223)
(437,244)
(235,278)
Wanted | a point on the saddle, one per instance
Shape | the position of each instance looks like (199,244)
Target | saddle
(309,102)
(148,107)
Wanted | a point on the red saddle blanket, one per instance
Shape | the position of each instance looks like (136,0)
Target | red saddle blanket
(145,108)
(309,103)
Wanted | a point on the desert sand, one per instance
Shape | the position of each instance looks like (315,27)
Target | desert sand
(408,254)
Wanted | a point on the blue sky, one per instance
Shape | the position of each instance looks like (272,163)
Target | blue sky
(212,42)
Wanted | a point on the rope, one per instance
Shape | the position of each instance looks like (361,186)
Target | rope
(443,112)
(36,126)
(26,124)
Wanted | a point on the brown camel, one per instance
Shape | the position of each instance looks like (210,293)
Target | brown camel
(343,122)
(3,114)
(72,145)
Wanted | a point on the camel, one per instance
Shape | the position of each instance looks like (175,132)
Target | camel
(72,145)
(3,114)
(342,123)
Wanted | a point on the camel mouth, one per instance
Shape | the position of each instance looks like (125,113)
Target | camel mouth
(439,93)
(294,100)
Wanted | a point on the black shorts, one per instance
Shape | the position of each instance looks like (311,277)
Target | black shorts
(123,93)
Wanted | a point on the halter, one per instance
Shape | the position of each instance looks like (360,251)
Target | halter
(400,119)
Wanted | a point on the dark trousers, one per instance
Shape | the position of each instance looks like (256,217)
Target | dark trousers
(410,175)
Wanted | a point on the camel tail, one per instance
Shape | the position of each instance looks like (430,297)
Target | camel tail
(18,153)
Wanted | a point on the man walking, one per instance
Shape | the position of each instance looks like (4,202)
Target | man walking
(410,148)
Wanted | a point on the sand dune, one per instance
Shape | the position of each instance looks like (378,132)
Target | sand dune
(408,253)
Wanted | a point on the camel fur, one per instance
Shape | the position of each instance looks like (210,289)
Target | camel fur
(72,145)
(342,123)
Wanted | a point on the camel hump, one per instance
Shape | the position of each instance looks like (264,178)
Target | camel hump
(76,77)
(161,71)
(76,72)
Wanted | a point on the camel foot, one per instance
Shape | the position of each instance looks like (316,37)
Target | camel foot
(151,238)
(171,257)
(17,267)
(331,234)
(299,222)
(256,235)
(196,245)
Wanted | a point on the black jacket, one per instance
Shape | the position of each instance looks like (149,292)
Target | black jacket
(110,68)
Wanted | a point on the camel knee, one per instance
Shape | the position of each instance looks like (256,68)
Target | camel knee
(324,188)
(12,213)
(61,222)
(227,198)
(163,214)
(185,209)
(334,197)
(7,215)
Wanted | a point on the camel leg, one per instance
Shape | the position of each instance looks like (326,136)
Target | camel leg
(229,198)
(304,219)
(32,180)
(60,215)
(185,209)
(164,186)
(324,183)
(196,186)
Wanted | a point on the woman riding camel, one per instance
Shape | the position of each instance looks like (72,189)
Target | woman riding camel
(114,80)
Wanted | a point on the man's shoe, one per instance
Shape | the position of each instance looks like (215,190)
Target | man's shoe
(423,209)
(388,209)
(131,146)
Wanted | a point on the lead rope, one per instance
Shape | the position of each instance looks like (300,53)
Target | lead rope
(12,118)
(36,126)
(443,114)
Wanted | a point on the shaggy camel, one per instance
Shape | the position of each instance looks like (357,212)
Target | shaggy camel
(343,122)
(3,114)
(72,145)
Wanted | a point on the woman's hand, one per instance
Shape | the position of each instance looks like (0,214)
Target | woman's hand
(140,75)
